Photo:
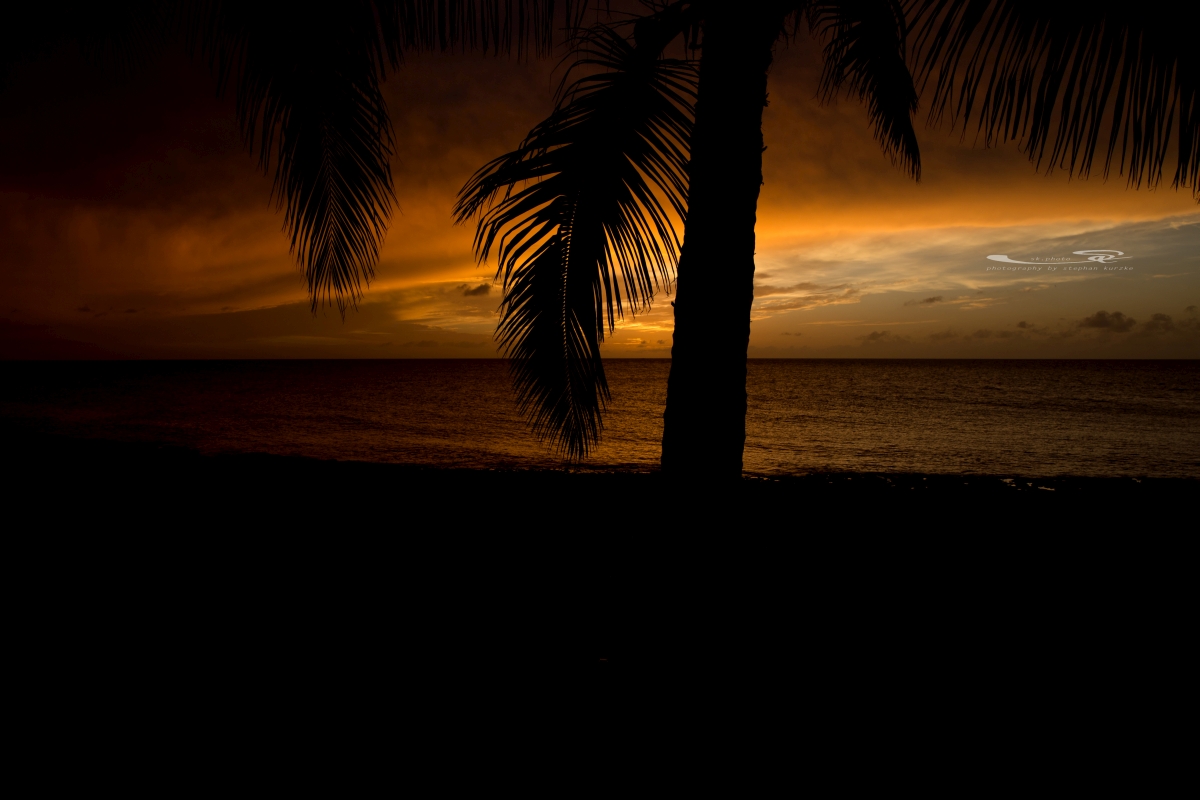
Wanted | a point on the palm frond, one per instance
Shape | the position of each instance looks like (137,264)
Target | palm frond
(308,97)
(1068,80)
(309,102)
(498,26)
(580,219)
(865,55)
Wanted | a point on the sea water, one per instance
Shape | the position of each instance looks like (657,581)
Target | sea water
(1044,418)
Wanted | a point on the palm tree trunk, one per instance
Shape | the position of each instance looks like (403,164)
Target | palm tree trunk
(705,419)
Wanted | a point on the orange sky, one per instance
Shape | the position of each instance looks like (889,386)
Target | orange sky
(135,225)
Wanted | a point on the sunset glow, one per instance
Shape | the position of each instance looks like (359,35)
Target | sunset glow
(135,225)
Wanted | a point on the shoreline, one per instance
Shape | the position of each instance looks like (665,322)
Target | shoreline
(102,470)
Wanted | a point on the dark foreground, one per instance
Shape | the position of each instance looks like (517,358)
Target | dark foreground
(598,534)
(157,490)
(141,575)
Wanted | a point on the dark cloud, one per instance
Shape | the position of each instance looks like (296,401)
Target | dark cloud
(928,301)
(482,290)
(1165,325)
(982,334)
(131,311)
(1159,323)
(882,337)
(1029,327)
(1190,309)
(941,336)
(422,343)
(84,310)
(1115,322)
(785,333)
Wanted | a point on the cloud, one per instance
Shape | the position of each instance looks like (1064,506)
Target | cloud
(1159,323)
(882,337)
(1023,324)
(422,343)
(131,311)
(928,301)
(785,333)
(982,334)
(482,290)
(1190,309)
(971,303)
(84,310)
(1163,324)
(941,336)
(811,301)
(763,291)
(1115,322)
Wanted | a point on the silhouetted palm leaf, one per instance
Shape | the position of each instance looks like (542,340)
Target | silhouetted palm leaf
(308,96)
(499,26)
(865,54)
(307,91)
(589,234)
(1074,69)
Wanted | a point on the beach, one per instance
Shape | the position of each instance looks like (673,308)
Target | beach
(163,489)
(141,567)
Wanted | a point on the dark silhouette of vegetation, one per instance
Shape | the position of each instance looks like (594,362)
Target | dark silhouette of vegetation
(587,235)
(580,215)
(1044,75)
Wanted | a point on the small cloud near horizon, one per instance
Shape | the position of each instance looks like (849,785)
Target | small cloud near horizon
(1115,322)
(1159,323)
(928,301)
(482,290)
(882,336)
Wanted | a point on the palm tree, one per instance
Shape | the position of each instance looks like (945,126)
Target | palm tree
(646,140)
(1046,67)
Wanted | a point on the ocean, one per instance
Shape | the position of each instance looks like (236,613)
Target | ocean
(1028,418)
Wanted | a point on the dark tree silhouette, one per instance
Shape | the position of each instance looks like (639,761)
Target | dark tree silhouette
(1055,77)
(588,234)
(591,236)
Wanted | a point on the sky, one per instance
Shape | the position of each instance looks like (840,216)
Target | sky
(135,225)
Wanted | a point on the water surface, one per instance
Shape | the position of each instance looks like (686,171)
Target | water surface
(1094,418)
